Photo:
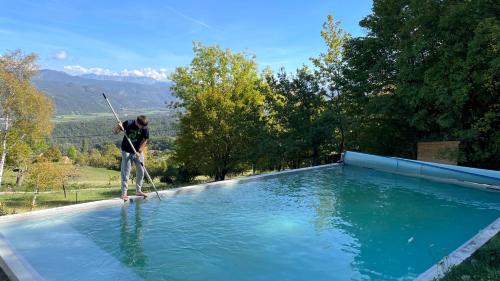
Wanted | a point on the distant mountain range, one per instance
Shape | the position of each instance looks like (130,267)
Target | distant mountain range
(82,95)
(133,79)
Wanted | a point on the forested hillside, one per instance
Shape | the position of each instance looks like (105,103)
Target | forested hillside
(87,133)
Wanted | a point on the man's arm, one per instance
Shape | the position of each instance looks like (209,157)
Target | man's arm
(144,142)
(142,146)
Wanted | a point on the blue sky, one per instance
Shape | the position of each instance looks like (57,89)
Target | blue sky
(156,36)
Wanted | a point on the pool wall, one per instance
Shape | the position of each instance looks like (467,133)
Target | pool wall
(465,176)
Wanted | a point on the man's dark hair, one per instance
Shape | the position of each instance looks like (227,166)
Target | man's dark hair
(142,120)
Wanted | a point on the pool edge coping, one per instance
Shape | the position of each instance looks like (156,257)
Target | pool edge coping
(455,258)
(17,268)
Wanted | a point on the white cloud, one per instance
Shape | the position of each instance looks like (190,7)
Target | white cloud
(61,55)
(157,74)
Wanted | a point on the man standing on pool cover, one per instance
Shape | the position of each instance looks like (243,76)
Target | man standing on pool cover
(138,132)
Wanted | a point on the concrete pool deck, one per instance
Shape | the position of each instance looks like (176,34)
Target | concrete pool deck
(17,268)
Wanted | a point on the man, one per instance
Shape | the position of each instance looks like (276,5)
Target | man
(138,132)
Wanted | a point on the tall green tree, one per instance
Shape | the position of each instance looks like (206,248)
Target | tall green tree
(25,112)
(72,152)
(296,105)
(428,70)
(379,117)
(220,93)
(328,68)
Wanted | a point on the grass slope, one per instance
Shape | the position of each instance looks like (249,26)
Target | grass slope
(483,265)
(91,184)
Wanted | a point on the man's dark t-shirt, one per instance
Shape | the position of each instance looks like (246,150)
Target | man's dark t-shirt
(135,134)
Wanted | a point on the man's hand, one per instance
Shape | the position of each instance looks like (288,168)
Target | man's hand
(138,155)
(118,128)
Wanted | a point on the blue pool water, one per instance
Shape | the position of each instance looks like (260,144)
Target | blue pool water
(338,223)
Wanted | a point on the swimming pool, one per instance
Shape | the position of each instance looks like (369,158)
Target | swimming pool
(333,223)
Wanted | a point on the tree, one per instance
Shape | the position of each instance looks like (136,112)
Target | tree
(72,152)
(20,156)
(295,105)
(481,133)
(378,120)
(427,71)
(53,154)
(329,68)
(220,94)
(157,163)
(47,175)
(25,112)
(85,145)
(111,157)
(94,158)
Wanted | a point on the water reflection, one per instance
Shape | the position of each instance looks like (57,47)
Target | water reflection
(395,225)
(397,221)
(131,236)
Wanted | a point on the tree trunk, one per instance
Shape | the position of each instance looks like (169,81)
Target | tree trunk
(4,149)
(33,202)
(342,140)
(20,177)
(35,193)
(220,174)
(64,189)
(315,156)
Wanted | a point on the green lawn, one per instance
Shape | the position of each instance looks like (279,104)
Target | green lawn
(483,265)
(92,116)
(21,202)
(91,184)
(87,177)
(96,177)
(73,117)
